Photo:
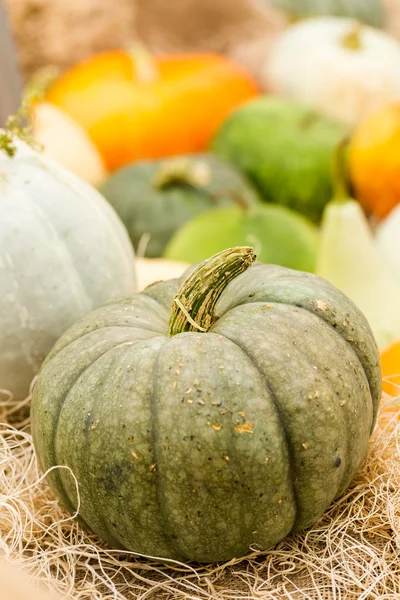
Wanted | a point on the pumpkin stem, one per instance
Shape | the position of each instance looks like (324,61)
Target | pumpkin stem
(20,124)
(145,68)
(197,173)
(194,304)
(352,40)
(182,170)
(340,174)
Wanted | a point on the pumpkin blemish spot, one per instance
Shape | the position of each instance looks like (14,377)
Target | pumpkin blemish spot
(135,456)
(244,427)
(321,305)
(305,445)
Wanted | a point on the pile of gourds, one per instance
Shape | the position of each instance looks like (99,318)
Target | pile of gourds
(222,408)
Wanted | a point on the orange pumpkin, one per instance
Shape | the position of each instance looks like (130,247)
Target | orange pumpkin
(375,161)
(390,363)
(135,106)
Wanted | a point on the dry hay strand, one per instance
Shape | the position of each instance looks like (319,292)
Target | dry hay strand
(352,552)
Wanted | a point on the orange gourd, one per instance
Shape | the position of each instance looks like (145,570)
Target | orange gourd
(135,106)
(375,161)
(390,363)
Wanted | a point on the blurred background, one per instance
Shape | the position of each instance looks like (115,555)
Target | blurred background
(284,105)
(62,33)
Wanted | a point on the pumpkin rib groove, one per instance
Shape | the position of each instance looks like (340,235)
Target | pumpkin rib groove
(105,210)
(272,395)
(347,452)
(57,350)
(375,397)
(66,255)
(345,480)
(118,543)
(359,357)
(315,285)
(232,450)
(327,382)
(88,199)
(168,537)
(55,474)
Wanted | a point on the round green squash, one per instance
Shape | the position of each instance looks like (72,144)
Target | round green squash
(280,235)
(371,12)
(155,198)
(204,419)
(63,252)
(286,149)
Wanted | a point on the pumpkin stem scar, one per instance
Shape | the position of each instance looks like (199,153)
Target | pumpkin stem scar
(193,308)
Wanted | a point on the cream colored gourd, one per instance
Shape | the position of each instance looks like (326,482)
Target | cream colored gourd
(349,258)
(152,270)
(343,69)
(67,142)
(63,252)
(16,584)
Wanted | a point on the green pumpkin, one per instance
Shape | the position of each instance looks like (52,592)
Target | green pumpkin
(280,235)
(155,198)
(204,419)
(286,149)
(371,12)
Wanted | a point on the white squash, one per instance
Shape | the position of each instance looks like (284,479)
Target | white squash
(150,270)
(67,142)
(343,69)
(349,258)
(388,241)
(63,252)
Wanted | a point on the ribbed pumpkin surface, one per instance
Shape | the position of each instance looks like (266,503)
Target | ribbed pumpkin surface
(200,445)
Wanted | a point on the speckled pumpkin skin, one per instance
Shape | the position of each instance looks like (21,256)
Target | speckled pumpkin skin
(198,446)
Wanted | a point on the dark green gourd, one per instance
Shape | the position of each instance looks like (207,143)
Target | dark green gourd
(155,198)
(206,417)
